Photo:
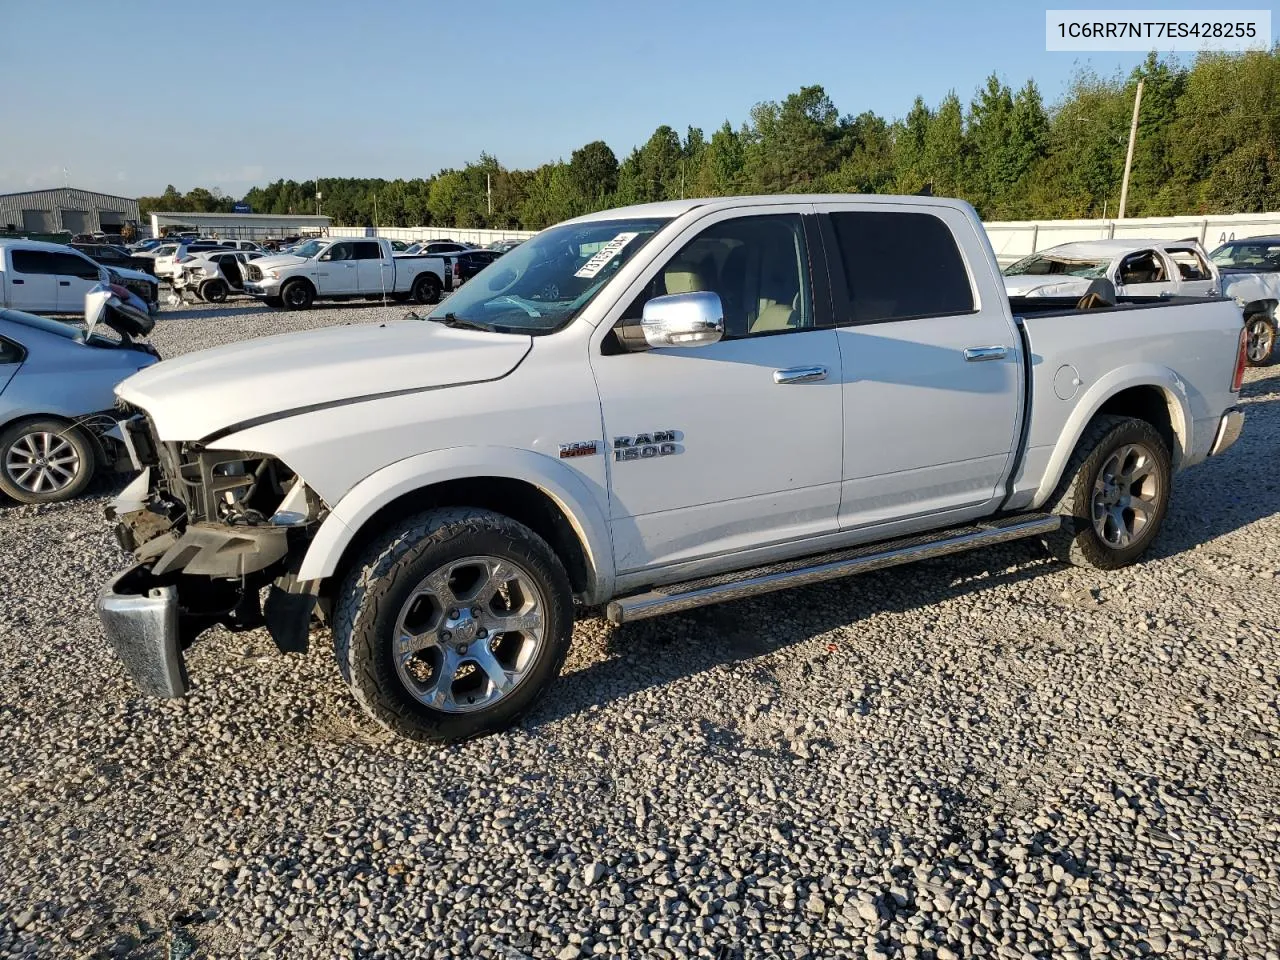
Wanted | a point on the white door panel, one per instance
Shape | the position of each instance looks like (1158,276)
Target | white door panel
(375,276)
(931,402)
(755,460)
(33,292)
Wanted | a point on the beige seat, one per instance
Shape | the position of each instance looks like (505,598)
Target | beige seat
(776,316)
(685,276)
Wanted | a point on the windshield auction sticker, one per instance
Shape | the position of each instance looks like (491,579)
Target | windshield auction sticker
(1161,30)
(604,255)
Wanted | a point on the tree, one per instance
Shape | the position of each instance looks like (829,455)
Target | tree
(594,170)
(720,168)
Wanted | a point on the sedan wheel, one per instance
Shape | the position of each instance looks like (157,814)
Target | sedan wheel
(45,461)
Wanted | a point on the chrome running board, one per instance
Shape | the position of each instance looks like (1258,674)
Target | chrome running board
(675,597)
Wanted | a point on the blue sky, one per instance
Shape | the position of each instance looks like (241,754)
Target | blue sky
(233,94)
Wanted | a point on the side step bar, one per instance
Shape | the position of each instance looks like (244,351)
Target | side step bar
(675,597)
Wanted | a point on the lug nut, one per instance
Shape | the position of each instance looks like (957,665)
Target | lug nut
(453,614)
(462,649)
(446,636)
(482,633)
(475,611)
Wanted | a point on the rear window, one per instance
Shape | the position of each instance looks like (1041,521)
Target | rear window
(899,266)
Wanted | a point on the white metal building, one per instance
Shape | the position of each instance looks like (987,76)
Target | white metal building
(240,226)
(65,209)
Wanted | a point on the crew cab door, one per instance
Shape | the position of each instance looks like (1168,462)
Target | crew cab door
(336,270)
(33,281)
(932,363)
(375,274)
(726,446)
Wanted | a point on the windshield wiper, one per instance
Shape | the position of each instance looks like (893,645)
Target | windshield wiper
(460,323)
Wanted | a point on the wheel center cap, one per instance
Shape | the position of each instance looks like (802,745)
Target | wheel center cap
(464,630)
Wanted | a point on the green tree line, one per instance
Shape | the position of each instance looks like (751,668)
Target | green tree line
(1208,142)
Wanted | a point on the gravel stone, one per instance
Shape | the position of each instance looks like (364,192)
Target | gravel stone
(987,755)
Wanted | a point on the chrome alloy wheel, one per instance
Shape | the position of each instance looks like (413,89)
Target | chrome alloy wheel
(1262,341)
(1125,495)
(469,633)
(42,462)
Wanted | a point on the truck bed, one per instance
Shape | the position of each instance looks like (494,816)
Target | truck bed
(1066,306)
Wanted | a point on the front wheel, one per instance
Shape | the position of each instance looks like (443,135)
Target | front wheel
(453,624)
(297,295)
(427,288)
(45,461)
(1114,494)
(1262,340)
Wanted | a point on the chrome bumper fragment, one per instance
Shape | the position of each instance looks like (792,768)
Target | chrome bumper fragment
(141,621)
(1228,431)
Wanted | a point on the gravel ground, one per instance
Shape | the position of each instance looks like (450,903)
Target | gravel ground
(989,755)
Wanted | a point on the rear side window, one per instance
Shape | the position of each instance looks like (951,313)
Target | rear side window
(10,352)
(34,261)
(1190,264)
(899,266)
(368,251)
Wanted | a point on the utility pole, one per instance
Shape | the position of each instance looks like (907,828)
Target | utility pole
(1128,160)
(488,189)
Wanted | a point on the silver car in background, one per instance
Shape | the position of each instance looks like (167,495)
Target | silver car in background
(57,401)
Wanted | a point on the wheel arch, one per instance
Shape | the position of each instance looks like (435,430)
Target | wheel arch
(549,498)
(1156,395)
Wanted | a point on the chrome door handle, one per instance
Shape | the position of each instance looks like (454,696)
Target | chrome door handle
(800,375)
(978,354)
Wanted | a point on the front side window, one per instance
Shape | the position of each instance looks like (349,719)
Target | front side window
(547,281)
(10,352)
(70,265)
(758,266)
(900,266)
(340,251)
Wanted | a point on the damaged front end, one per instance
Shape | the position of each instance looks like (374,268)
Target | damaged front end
(210,530)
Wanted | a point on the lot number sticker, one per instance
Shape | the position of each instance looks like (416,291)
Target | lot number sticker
(604,255)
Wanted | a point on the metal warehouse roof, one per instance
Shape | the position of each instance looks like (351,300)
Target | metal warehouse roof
(64,195)
(234,218)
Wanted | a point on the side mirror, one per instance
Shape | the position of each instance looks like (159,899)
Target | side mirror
(683,320)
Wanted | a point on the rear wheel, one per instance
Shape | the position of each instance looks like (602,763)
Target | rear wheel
(215,291)
(453,624)
(1262,340)
(427,288)
(45,461)
(297,295)
(1114,496)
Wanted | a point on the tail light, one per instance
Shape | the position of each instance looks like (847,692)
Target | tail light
(457,270)
(1242,360)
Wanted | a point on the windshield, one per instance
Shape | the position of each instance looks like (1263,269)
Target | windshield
(545,282)
(1045,265)
(1249,256)
(308,249)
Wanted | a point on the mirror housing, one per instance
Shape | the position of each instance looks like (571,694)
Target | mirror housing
(683,320)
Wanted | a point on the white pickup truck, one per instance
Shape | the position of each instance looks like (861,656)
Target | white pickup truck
(39,277)
(342,268)
(646,410)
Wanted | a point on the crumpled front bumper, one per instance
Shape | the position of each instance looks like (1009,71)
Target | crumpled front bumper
(140,618)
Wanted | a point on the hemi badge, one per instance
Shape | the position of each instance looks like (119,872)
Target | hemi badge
(583,448)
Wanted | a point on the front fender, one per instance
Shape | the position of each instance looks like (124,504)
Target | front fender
(1166,380)
(565,487)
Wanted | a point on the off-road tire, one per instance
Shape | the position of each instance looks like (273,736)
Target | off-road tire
(84,446)
(297,295)
(427,288)
(1078,542)
(377,586)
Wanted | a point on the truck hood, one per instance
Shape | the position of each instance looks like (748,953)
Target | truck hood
(1028,285)
(209,392)
(279,260)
